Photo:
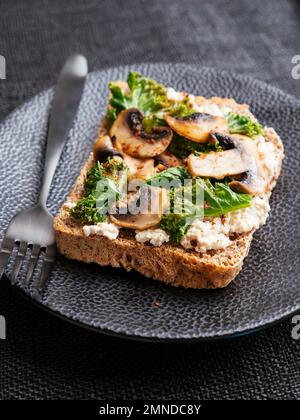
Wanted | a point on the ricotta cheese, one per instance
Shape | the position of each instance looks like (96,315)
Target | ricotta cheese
(252,217)
(156,237)
(69,205)
(212,109)
(203,235)
(268,156)
(207,234)
(109,230)
(259,139)
(173,95)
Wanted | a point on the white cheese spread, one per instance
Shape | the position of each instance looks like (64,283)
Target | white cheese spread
(207,234)
(172,95)
(69,205)
(212,109)
(268,156)
(156,237)
(109,230)
(249,218)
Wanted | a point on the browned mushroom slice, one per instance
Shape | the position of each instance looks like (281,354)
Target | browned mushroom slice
(196,127)
(130,136)
(167,160)
(139,168)
(143,210)
(103,149)
(224,140)
(249,182)
(217,164)
(241,160)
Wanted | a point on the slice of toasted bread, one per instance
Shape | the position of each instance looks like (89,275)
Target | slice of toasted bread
(168,263)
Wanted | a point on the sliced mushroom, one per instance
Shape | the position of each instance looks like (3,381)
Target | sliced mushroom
(197,127)
(217,164)
(224,140)
(142,210)
(166,160)
(249,182)
(130,136)
(139,168)
(103,149)
(242,160)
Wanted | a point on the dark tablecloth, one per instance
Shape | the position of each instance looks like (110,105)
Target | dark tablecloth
(43,357)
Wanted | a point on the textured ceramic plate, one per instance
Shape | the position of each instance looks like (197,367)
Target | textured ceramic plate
(114,301)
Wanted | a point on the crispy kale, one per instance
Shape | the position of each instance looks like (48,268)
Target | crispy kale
(200,197)
(220,199)
(144,93)
(242,124)
(175,225)
(182,148)
(86,211)
(102,188)
(148,96)
(162,179)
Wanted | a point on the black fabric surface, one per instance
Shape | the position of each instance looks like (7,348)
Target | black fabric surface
(44,357)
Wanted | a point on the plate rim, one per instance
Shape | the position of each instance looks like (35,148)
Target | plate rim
(141,338)
(124,335)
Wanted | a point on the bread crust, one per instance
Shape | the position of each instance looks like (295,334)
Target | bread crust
(167,263)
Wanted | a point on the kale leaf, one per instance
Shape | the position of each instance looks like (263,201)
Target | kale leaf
(148,96)
(86,211)
(175,225)
(215,200)
(220,199)
(144,93)
(242,124)
(102,188)
(166,177)
(182,148)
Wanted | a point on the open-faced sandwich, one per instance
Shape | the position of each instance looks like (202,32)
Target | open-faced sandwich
(175,186)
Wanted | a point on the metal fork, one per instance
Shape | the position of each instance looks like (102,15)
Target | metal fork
(31,230)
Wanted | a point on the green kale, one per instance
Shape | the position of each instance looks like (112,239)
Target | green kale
(175,109)
(148,96)
(199,197)
(102,188)
(86,211)
(144,93)
(93,176)
(175,225)
(180,109)
(106,194)
(166,177)
(152,121)
(115,169)
(182,147)
(242,124)
(220,199)
(181,213)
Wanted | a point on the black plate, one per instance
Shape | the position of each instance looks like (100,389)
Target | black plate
(113,301)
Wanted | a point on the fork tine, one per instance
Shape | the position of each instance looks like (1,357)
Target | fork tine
(6,250)
(19,260)
(48,263)
(32,262)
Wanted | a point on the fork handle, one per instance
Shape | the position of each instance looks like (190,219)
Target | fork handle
(66,100)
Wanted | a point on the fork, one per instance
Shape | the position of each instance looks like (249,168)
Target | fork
(32,230)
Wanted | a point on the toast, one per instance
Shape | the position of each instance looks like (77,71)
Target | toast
(170,263)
